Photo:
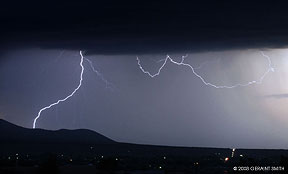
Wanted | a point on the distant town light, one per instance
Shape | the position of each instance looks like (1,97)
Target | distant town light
(233,152)
(164,157)
(160,167)
(241,155)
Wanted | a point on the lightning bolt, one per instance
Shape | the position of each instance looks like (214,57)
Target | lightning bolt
(168,58)
(108,84)
(66,98)
(181,63)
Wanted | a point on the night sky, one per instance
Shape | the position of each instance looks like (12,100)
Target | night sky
(39,64)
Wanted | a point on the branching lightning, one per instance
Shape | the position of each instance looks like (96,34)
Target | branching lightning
(66,98)
(108,84)
(168,58)
(181,63)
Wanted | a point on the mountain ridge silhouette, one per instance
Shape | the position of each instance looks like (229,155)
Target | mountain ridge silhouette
(11,133)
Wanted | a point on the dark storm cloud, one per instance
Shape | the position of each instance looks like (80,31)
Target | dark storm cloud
(277,96)
(135,27)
